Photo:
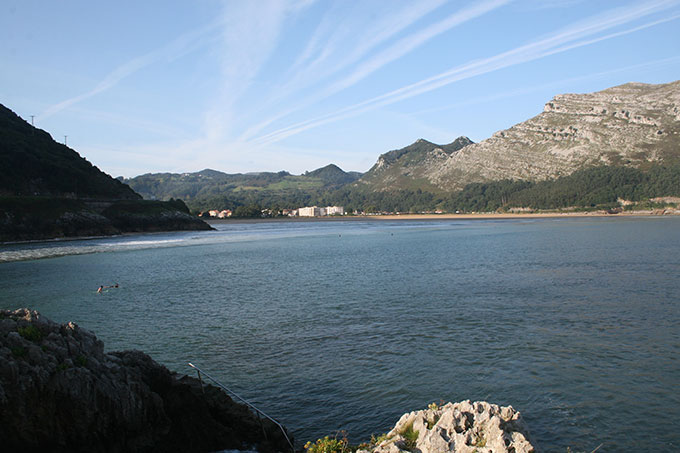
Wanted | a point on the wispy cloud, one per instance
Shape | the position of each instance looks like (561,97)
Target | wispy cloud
(577,35)
(407,44)
(177,48)
(329,52)
(382,31)
(655,64)
(251,32)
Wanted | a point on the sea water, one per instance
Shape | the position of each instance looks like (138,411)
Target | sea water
(343,325)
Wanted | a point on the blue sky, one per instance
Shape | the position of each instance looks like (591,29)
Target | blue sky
(269,85)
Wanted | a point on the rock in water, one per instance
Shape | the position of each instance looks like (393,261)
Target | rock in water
(463,427)
(59,391)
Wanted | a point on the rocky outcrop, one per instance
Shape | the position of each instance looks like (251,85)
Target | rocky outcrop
(59,391)
(634,124)
(401,168)
(463,427)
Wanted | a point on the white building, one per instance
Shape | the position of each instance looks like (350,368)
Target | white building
(335,210)
(314,211)
(309,211)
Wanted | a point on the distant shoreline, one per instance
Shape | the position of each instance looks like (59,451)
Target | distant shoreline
(483,216)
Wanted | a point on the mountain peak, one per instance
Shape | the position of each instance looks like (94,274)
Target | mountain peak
(330,168)
(332,174)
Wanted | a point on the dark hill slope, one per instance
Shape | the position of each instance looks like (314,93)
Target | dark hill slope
(33,164)
(48,190)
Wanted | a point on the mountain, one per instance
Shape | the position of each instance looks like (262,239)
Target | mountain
(410,167)
(634,125)
(332,175)
(48,190)
(34,164)
(210,189)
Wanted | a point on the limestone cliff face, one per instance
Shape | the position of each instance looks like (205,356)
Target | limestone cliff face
(632,124)
(60,392)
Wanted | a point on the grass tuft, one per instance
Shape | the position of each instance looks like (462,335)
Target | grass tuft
(31,333)
(410,436)
(19,352)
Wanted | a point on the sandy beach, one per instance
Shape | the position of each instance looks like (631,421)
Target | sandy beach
(430,217)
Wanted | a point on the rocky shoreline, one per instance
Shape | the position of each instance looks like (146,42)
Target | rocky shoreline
(463,427)
(59,391)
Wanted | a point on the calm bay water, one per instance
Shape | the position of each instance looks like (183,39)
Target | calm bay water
(347,325)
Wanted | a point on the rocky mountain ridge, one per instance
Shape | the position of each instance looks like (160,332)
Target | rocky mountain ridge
(410,166)
(633,124)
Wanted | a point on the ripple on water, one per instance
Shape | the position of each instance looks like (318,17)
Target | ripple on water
(574,321)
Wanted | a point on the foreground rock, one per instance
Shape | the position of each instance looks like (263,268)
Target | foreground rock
(463,427)
(59,391)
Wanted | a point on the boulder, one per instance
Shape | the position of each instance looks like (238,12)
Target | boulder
(463,427)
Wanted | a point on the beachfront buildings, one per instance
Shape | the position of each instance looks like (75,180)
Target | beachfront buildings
(219,214)
(315,211)
(335,210)
(309,211)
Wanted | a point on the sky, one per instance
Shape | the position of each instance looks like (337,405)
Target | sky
(269,85)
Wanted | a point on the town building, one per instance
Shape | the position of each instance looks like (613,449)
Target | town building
(310,211)
(315,211)
(335,210)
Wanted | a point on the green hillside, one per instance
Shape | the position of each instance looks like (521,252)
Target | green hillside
(211,189)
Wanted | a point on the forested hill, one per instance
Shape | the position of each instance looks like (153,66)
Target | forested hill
(47,190)
(33,164)
(210,189)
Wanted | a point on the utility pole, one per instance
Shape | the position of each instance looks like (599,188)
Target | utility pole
(32,116)
(65,141)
